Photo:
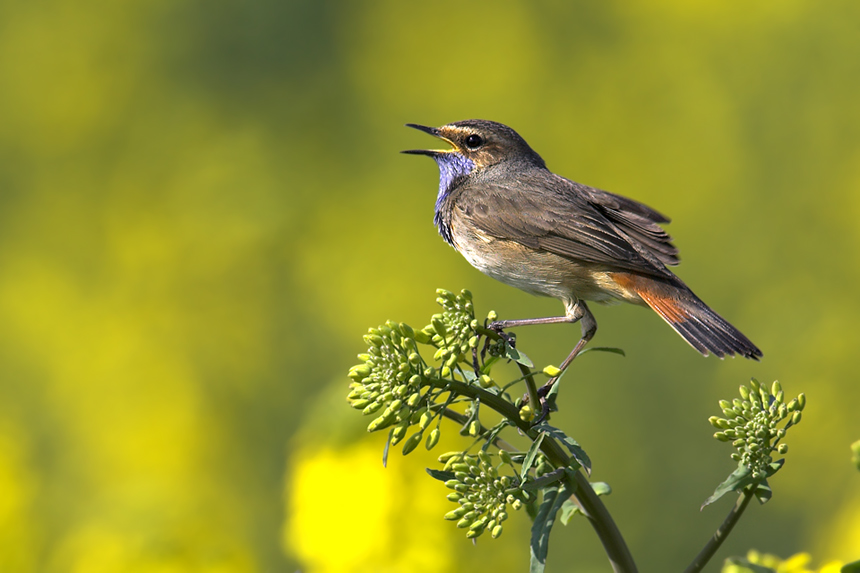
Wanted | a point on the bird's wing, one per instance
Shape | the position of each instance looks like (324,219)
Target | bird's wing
(635,220)
(592,226)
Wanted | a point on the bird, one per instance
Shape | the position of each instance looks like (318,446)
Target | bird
(513,219)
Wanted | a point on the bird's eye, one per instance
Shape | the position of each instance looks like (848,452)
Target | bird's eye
(474,141)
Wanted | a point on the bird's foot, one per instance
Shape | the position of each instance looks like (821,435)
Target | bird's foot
(498,328)
(545,404)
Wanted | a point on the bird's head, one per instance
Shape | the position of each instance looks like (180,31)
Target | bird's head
(476,144)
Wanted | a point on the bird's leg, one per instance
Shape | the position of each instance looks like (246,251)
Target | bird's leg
(578,313)
(499,325)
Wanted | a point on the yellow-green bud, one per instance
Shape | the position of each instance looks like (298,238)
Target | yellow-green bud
(505,456)
(398,433)
(775,388)
(371,408)
(744,392)
(782,449)
(454,514)
(374,340)
(467,294)
(380,423)
(433,438)
(492,316)
(485,381)
(359,372)
(795,418)
(446,372)
(497,530)
(801,401)
(421,337)
(551,371)
(527,414)
(464,523)
(425,418)
(474,428)
(438,324)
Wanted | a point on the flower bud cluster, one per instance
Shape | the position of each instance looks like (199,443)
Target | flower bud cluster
(452,331)
(389,379)
(482,493)
(752,422)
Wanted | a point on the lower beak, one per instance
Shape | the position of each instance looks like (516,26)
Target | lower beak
(432,131)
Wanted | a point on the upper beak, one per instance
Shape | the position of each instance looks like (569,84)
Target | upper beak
(434,131)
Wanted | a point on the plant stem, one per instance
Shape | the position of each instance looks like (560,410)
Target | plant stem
(588,501)
(720,535)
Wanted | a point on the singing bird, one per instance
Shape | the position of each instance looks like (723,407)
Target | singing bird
(527,227)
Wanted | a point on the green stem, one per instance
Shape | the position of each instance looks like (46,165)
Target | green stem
(584,496)
(720,535)
(531,386)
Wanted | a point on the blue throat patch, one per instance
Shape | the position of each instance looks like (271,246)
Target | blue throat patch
(452,166)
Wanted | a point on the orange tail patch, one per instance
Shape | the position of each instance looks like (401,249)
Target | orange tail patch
(656,295)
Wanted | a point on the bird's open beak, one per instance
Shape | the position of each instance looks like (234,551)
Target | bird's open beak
(434,131)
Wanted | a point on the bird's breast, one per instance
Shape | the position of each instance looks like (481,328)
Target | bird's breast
(532,270)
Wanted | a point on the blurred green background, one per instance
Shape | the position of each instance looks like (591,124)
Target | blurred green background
(202,208)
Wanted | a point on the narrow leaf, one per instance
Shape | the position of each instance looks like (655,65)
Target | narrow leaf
(609,349)
(572,445)
(737,481)
(494,433)
(530,456)
(568,510)
(763,492)
(387,448)
(601,488)
(517,356)
(544,480)
(441,475)
(553,499)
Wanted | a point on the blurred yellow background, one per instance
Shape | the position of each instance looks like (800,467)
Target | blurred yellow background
(202,208)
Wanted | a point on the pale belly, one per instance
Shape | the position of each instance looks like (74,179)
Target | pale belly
(539,273)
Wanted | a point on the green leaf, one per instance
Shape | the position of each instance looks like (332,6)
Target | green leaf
(609,349)
(568,510)
(441,475)
(529,460)
(468,375)
(737,481)
(517,356)
(851,568)
(493,434)
(569,507)
(387,448)
(576,452)
(763,493)
(601,488)
(553,499)
(774,467)
(544,480)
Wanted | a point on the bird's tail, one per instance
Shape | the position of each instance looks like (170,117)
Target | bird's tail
(696,322)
